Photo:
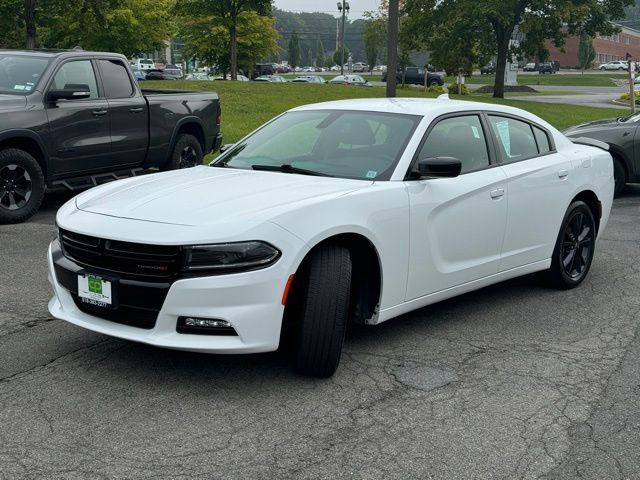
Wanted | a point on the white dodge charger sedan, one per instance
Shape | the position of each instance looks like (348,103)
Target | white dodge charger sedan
(349,211)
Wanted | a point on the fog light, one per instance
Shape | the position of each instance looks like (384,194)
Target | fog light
(204,326)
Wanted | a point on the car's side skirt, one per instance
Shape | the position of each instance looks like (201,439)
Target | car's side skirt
(391,312)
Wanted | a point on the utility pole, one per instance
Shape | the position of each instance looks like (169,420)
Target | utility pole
(344,8)
(392,47)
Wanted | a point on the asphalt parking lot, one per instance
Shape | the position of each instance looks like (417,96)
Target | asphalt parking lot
(513,381)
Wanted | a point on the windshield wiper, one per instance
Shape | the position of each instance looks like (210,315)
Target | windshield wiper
(286,168)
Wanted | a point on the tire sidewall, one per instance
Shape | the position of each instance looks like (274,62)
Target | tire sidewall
(184,140)
(25,160)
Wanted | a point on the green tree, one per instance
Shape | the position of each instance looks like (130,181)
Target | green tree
(375,38)
(294,50)
(227,13)
(12,29)
(206,40)
(320,54)
(455,21)
(337,56)
(129,27)
(310,57)
(586,52)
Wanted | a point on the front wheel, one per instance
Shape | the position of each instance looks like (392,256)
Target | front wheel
(21,186)
(575,245)
(187,153)
(323,312)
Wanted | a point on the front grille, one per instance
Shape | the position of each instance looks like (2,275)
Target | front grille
(124,314)
(136,259)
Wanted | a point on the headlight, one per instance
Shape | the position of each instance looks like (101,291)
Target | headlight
(230,256)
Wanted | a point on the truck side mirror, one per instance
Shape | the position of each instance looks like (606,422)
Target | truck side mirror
(67,94)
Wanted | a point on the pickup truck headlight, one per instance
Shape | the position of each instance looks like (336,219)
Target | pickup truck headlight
(230,256)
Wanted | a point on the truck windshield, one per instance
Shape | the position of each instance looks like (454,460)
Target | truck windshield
(19,75)
(347,144)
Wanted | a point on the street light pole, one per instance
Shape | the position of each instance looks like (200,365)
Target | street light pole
(344,8)
(392,47)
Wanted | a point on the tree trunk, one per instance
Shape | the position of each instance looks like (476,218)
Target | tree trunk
(502,39)
(234,49)
(30,22)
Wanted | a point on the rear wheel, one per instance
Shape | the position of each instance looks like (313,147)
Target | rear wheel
(574,248)
(619,176)
(21,186)
(187,153)
(323,311)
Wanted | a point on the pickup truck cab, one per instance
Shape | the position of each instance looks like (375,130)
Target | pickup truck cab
(415,76)
(75,119)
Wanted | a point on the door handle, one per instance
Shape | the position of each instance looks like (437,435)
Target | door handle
(563,173)
(136,110)
(99,113)
(497,193)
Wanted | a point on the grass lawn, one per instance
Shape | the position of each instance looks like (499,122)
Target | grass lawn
(247,105)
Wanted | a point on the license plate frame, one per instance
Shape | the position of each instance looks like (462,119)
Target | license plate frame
(97,290)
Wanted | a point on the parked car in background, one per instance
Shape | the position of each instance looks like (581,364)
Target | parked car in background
(239,78)
(309,79)
(282,68)
(488,69)
(200,76)
(271,79)
(76,119)
(530,67)
(355,80)
(159,75)
(144,64)
(623,137)
(546,67)
(360,67)
(139,75)
(415,76)
(615,65)
(262,69)
(330,215)
(335,68)
(174,72)
(380,68)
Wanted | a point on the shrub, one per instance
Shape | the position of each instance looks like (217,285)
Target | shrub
(625,97)
(453,88)
(435,89)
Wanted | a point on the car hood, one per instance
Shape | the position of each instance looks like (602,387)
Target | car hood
(591,126)
(207,195)
(12,102)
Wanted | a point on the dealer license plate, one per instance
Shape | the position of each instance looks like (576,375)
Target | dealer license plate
(95,290)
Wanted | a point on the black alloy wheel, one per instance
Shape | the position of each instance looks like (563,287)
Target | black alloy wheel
(188,157)
(577,245)
(16,187)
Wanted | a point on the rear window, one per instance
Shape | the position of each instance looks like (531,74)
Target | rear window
(115,79)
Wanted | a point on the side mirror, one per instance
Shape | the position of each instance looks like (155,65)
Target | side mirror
(439,167)
(226,147)
(67,94)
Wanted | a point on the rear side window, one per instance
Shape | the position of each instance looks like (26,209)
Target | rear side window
(542,139)
(515,138)
(115,79)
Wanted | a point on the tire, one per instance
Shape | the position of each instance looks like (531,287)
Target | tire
(620,177)
(21,186)
(576,241)
(324,312)
(433,83)
(187,152)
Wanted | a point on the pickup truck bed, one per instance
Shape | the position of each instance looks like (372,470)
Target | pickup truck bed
(75,119)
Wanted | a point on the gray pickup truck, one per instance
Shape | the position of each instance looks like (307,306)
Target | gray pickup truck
(75,119)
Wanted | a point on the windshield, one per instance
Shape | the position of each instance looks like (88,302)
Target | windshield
(347,144)
(19,75)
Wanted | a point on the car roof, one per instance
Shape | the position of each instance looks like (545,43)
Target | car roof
(57,53)
(431,107)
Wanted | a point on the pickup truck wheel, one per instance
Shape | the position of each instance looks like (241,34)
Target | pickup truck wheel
(573,253)
(21,186)
(433,83)
(324,312)
(187,153)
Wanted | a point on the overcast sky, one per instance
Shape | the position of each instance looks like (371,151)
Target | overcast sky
(327,6)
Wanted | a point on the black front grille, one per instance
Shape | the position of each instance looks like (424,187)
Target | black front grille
(137,259)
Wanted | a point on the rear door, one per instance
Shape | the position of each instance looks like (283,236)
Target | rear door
(538,189)
(79,129)
(128,116)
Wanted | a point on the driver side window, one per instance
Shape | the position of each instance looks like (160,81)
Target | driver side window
(76,74)
(458,137)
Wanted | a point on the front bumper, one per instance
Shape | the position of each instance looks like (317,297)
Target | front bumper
(250,301)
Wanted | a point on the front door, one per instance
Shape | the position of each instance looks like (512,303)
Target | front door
(457,224)
(79,136)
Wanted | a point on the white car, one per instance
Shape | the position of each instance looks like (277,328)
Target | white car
(616,65)
(144,64)
(347,211)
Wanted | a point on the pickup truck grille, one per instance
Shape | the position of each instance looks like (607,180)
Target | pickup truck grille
(132,259)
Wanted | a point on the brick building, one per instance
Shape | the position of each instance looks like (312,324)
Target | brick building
(608,48)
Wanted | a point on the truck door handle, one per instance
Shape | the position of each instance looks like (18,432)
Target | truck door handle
(497,193)
(99,113)
(563,173)
(136,110)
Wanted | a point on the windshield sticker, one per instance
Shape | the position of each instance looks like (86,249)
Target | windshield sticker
(19,87)
(475,131)
(372,174)
(28,87)
(503,133)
